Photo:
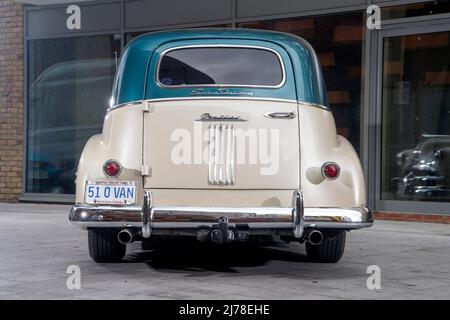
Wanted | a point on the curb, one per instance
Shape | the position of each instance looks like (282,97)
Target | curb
(413,217)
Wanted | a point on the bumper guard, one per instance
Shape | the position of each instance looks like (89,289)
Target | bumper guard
(150,217)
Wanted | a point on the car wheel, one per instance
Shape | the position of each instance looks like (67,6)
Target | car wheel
(104,246)
(330,250)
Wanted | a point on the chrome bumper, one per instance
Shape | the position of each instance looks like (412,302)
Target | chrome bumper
(294,219)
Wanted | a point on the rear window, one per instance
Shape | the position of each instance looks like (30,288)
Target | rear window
(209,66)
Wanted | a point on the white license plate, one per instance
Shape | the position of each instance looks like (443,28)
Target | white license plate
(110,192)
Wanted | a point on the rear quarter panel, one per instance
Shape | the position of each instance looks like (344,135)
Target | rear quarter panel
(320,143)
(121,139)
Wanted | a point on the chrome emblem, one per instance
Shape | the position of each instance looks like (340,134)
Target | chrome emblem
(208,117)
(221,92)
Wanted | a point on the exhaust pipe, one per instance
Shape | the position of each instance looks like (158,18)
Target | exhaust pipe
(125,236)
(203,235)
(315,237)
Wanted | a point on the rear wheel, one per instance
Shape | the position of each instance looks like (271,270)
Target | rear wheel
(330,250)
(104,246)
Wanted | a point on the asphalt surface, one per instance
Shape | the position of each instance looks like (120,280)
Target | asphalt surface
(37,246)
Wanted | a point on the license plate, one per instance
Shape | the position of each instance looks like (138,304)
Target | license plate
(110,192)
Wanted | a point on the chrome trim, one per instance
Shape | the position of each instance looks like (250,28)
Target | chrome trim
(222,92)
(195,217)
(435,135)
(105,216)
(208,117)
(147,214)
(192,217)
(131,103)
(299,214)
(358,217)
(221,154)
(315,105)
(280,115)
(221,98)
(323,167)
(280,60)
(308,104)
(120,168)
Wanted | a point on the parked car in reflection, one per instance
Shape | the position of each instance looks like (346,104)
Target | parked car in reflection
(425,170)
(67,103)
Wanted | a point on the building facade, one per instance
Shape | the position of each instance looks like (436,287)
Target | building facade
(388,87)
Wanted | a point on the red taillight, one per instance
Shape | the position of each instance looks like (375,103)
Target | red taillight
(112,168)
(330,170)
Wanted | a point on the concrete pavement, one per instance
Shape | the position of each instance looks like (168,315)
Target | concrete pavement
(37,245)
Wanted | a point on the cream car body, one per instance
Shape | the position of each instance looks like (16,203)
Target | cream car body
(180,146)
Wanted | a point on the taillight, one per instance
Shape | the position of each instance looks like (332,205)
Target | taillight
(330,170)
(112,168)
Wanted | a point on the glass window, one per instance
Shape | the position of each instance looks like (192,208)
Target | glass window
(415,159)
(69,85)
(338,41)
(220,66)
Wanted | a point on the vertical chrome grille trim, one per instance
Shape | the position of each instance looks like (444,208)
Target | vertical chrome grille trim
(211,155)
(221,169)
(216,153)
(232,173)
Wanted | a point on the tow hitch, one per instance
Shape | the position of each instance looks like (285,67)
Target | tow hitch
(222,234)
(219,233)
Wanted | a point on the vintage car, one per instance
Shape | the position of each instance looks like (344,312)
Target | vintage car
(425,170)
(223,135)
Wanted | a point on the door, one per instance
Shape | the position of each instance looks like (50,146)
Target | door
(411,145)
(222,143)
(221,122)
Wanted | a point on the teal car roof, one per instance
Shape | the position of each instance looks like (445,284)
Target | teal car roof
(135,79)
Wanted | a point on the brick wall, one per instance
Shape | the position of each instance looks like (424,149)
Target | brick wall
(11,100)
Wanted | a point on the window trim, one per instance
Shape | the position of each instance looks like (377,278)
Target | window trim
(161,56)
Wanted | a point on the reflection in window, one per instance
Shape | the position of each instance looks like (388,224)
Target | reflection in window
(69,85)
(338,41)
(220,66)
(130,36)
(415,9)
(416,118)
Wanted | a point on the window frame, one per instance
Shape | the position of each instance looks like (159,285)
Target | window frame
(393,28)
(28,196)
(161,56)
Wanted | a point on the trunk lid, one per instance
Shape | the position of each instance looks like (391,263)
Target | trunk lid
(221,143)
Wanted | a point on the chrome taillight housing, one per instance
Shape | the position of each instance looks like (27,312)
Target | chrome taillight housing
(112,168)
(330,170)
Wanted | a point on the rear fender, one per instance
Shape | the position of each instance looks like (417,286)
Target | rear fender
(319,144)
(120,140)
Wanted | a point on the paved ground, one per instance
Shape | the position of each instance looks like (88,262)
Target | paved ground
(37,244)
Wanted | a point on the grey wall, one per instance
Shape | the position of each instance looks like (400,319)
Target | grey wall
(252,8)
(135,15)
(145,13)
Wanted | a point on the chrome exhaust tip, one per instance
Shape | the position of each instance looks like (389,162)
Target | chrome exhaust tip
(315,237)
(125,236)
(203,235)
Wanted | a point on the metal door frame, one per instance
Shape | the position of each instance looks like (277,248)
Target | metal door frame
(392,28)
